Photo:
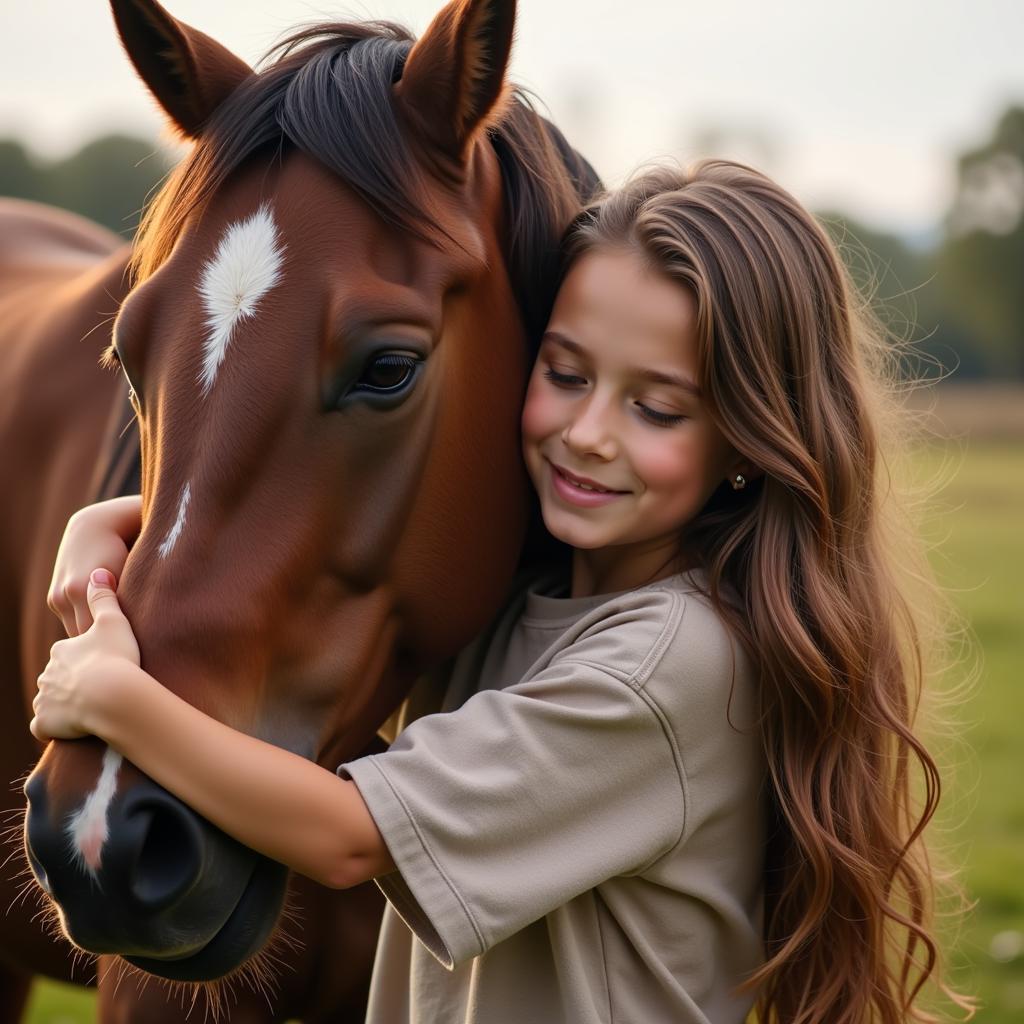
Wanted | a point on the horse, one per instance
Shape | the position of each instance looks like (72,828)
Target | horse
(324,328)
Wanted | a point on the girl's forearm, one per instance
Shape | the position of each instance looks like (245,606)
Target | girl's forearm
(273,801)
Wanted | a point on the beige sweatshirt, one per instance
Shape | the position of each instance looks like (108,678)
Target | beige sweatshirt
(579,832)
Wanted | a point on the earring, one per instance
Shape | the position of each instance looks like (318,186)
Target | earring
(739,481)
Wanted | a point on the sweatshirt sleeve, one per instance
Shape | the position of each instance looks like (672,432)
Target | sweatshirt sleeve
(524,798)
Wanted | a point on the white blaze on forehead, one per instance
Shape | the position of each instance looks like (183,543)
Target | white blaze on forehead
(246,266)
(87,828)
(167,546)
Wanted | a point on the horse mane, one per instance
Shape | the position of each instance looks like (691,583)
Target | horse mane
(327,91)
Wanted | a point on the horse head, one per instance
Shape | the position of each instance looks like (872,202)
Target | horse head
(327,346)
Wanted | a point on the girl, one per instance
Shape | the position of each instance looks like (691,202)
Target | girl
(678,782)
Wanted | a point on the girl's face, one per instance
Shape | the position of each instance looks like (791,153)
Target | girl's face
(617,440)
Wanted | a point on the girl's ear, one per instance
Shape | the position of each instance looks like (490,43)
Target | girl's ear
(454,77)
(187,72)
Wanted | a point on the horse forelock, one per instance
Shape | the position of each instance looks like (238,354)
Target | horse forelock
(327,91)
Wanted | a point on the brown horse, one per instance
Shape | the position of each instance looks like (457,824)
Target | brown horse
(326,327)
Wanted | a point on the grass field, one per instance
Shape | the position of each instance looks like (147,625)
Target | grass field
(981,557)
(977,525)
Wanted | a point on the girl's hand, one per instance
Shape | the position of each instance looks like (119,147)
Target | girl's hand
(82,670)
(97,535)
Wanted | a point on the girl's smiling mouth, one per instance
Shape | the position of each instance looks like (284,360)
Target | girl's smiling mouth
(580,490)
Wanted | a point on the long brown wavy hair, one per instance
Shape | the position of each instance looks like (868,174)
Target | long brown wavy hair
(811,566)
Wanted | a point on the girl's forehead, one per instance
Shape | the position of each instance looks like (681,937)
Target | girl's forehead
(612,303)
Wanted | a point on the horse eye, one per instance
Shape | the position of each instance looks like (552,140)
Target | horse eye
(387,373)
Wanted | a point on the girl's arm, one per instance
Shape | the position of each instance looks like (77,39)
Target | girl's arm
(273,801)
(98,535)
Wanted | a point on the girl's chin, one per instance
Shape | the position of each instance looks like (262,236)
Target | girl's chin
(575,534)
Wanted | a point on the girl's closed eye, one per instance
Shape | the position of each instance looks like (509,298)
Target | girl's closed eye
(658,416)
(564,379)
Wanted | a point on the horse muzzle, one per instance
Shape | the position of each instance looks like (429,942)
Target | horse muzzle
(164,888)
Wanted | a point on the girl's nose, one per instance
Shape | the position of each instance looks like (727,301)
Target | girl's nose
(589,431)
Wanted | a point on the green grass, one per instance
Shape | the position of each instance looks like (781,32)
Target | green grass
(981,558)
(977,525)
(61,1004)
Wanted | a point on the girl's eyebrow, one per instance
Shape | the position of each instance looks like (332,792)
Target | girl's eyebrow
(654,376)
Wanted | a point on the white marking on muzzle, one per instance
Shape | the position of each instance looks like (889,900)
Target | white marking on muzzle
(87,828)
(167,546)
(246,266)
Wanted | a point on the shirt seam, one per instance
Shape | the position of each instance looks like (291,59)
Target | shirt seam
(673,621)
(637,682)
(684,788)
(481,945)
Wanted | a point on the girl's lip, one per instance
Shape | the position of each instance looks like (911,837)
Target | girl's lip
(567,490)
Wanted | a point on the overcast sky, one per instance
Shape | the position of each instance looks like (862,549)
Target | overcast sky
(859,105)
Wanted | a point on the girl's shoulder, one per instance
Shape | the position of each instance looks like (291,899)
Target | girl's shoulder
(702,678)
(670,645)
(667,627)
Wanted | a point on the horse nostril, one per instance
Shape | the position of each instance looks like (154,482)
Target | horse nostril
(169,859)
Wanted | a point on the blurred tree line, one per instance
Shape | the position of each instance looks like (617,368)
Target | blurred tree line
(107,180)
(960,300)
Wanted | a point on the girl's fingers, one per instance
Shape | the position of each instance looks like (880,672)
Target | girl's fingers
(37,729)
(74,611)
(56,601)
(83,619)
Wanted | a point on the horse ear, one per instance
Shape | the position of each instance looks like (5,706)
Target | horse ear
(189,73)
(454,77)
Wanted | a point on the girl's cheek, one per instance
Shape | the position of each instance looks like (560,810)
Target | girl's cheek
(665,465)
(678,472)
(539,412)
(684,470)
